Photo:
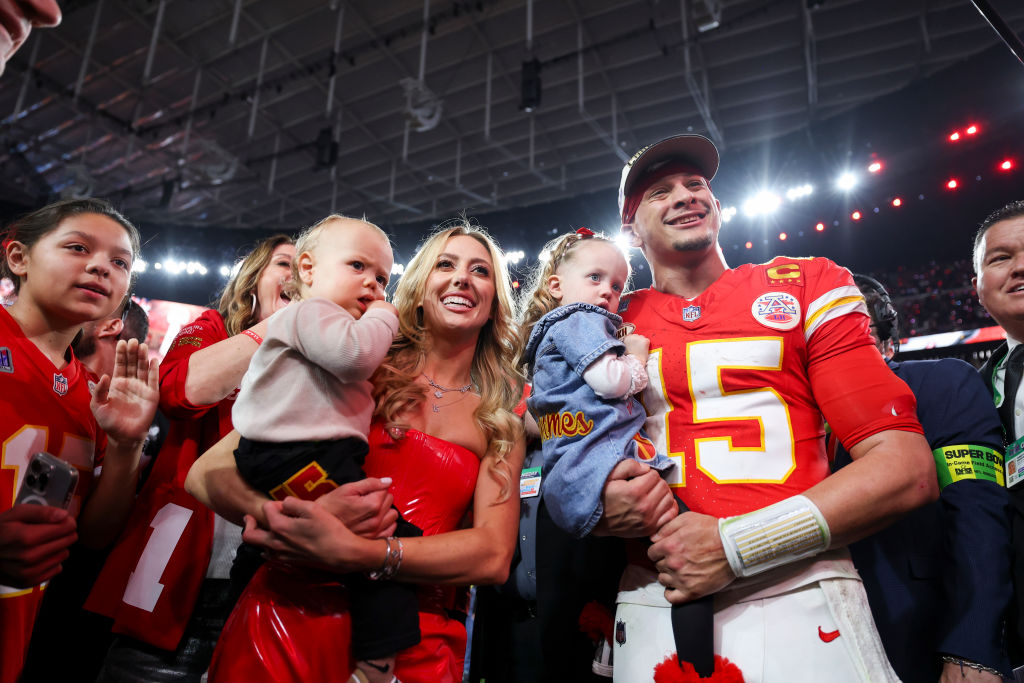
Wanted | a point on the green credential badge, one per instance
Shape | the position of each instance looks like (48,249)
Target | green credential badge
(966,461)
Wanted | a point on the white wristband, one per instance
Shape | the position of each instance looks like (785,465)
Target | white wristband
(784,532)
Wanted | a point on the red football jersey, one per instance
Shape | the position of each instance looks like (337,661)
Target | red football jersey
(734,375)
(42,408)
(151,580)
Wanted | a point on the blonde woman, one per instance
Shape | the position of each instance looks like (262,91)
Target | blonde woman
(446,433)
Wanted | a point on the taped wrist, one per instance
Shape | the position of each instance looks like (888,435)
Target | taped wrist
(784,532)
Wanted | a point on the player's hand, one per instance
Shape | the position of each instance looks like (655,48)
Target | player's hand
(364,506)
(953,673)
(124,405)
(637,502)
(637,345)
(380,303)
(302,533)
(34,540)
(690,558)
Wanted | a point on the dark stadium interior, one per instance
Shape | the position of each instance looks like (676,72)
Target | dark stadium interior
(792,93)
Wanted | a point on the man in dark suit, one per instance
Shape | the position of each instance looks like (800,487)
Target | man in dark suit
(999,280)
(938,580)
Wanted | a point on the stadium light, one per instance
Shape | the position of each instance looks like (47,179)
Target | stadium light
(139,266)
(846,181)
(971,129)
(225,271)
(398,269)
(783,236)
(762,204)
(875,167)
(856,215)
(1006,165)
(897,202)
(749,245)
(820,227)
(954,136)
(952,183)
(799,192)
(728,213)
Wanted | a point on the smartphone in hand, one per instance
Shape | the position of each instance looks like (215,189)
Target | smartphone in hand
(48,480)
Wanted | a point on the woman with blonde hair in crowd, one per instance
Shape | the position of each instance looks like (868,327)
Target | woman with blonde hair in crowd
(165,583)
(446,433)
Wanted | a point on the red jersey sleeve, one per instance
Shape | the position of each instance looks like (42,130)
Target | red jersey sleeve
(854,388)
(206,330)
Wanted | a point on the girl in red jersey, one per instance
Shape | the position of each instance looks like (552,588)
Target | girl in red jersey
(70,263)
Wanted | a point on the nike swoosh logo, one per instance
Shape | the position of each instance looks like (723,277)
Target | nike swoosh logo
(828,637)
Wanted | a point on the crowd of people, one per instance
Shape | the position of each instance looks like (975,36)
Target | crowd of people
(935,298)
(336,469)
(331,471)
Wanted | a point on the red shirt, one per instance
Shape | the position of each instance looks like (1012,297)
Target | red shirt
(42,408)
(151,580)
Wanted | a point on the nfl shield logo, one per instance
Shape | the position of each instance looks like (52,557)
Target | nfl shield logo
(620,632)
(6,363)
(691,313)
(60,384)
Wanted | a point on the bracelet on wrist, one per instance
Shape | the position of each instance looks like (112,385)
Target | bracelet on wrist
(252,335)
(392,560)
(783,532)
(970,665)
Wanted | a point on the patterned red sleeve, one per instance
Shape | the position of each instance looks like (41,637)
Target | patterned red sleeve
(204,331)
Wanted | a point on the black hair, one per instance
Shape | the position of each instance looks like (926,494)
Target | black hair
(32,227)
(1011,210)
(880,308)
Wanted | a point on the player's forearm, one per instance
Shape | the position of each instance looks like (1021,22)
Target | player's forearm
(112,497)
(892,473)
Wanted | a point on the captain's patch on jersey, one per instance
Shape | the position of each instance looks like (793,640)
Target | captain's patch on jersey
(784,274)
(6,362)
(777,310)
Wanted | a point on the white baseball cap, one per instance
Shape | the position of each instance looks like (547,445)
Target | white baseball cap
(695,150)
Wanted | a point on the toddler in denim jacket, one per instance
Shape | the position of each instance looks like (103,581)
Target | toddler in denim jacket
(584,378)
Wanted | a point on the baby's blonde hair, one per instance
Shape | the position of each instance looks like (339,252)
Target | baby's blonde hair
(537,300)
(308,240)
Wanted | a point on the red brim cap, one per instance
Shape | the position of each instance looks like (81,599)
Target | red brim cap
(695,150)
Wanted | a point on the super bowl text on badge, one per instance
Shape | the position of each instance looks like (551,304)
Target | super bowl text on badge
(777,310)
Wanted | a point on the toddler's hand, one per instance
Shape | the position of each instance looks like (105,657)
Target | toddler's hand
(380,303)
(637,345)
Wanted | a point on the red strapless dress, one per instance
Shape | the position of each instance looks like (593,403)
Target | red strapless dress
(293,625)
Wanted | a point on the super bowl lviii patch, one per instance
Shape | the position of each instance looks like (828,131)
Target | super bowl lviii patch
(777,310)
